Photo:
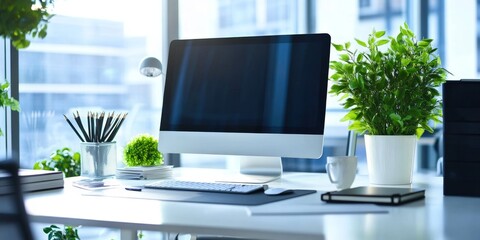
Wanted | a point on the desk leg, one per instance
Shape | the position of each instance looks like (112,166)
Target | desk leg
(127,234)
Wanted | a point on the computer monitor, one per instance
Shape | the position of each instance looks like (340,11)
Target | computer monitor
(258,97)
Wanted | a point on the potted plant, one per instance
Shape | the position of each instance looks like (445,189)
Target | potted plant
(64,160)
(142,151)
(390,92)
(19,19)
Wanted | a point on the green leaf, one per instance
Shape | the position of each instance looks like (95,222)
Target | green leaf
(379,34)
(425,57)
(360,42)
(20,43)
(43,32)
(347,45)
(405,62)
(336,89)
(357,126)
(351,115)
(344,57)
(76,157)
(4,86)
(360,57)
(371,40)
(353,83)
(349,103)
(382,42)
(336,76)
(429,40)
(395,117)
(338,47)
(423,43)
(419,132)
(37,166)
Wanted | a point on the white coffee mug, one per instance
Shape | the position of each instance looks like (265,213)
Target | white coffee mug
(341,170)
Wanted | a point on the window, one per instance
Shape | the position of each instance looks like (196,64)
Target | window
(217,18)
(88,62)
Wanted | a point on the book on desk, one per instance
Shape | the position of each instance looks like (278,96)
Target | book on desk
(144,172)
(378,195)
(34,180)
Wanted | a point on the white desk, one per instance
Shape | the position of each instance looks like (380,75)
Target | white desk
(436,217)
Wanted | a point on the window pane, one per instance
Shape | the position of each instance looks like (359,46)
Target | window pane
(88,62)
(218,18)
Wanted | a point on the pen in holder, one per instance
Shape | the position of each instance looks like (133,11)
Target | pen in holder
(98,148)
(99,160)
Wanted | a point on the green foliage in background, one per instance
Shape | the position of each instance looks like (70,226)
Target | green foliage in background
(391,87)
(56,233)
(22,18)
(19,19)
(6,100)
(64,160)
(142,151)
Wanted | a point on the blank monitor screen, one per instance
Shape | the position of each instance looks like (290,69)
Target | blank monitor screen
(234,95)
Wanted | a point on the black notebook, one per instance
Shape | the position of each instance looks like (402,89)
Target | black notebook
(379,195)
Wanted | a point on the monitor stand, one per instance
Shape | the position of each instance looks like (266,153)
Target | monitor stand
(253,169)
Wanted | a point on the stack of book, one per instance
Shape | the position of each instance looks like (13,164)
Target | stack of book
(150,172)
(34,180)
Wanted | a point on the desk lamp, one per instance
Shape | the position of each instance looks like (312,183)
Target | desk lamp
(150,67)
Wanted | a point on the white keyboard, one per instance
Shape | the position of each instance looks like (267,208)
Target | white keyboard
(205,186)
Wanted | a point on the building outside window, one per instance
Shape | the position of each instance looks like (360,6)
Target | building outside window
(88,62)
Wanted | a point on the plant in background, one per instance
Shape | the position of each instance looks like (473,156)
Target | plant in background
(6,100)
(389,92)
(56,233)
(142,151)
(64,160)
(19,19)
(22,18)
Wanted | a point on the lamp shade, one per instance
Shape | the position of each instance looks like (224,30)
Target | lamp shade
(150,67)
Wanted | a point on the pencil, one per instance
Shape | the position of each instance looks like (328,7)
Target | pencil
(74,129)
(79,122)
(112,136)
(99,126)
(112,127)
(107,126)
(89,126)
(92,123)
(96,131)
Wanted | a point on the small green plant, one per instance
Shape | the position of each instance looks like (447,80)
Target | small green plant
(64,160)
(391,89)
(6,100)
(142,151)
(56,233)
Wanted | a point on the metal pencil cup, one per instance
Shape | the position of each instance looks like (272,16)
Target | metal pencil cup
(99,160)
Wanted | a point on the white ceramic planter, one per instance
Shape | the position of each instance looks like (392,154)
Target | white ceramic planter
(390,158)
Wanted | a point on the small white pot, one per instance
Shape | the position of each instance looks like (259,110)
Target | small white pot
(390,158)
